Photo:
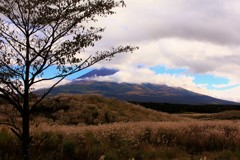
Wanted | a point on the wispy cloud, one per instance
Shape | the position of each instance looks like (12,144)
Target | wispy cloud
(50,83)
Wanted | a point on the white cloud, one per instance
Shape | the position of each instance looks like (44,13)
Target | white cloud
(50,83)
(225,86)
(200,36)
(144,75)
(213,21)
(194,56)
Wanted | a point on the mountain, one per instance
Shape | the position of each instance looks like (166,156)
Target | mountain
(145,92)
(98,73)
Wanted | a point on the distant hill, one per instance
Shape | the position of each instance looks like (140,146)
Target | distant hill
(95,109)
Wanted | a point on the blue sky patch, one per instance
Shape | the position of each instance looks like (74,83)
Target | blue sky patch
(206,79)
(52,70)
(162,69)
(210,80)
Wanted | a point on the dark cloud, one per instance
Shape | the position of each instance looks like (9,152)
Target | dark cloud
(202,36)
(215,21)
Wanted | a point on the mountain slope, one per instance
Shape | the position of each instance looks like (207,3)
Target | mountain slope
(98,72)
(138,92)
(145,92)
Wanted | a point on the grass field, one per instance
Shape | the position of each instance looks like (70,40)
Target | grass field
(60,131)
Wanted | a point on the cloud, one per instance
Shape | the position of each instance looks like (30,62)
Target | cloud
(196,57)
(227,94)
(226,86)
(145,75)
(201,37)
(50,83)
(214,21)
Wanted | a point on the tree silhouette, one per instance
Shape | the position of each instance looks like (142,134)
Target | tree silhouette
(38,34)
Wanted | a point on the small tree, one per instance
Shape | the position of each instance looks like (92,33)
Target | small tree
(38,34)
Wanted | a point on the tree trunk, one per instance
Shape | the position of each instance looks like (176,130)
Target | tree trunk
(26,114)
(25,136)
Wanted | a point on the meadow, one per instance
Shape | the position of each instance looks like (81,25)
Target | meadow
(117,130)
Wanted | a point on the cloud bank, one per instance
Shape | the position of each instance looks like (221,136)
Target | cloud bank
(201,37)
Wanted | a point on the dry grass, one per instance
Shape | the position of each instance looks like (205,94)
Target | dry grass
(188,129)
(95,109)
(197,138)
(227,115)
(128,132)
(138,140)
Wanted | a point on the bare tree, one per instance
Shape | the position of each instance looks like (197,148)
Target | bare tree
(38,34)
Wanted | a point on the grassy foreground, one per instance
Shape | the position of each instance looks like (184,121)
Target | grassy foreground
(128,137)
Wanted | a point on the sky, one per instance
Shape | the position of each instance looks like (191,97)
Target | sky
(193,44)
